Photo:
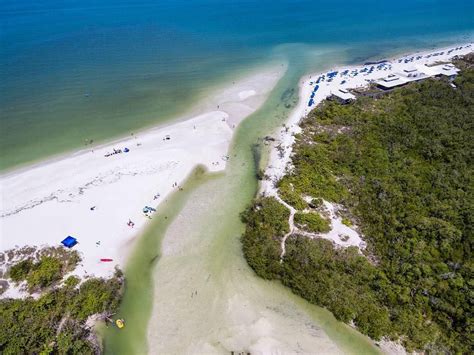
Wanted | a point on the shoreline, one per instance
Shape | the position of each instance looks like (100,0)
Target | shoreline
(285,136)
(277,165)
(207,102)
(93,194)
(280,161)
(280,152)
(55,198)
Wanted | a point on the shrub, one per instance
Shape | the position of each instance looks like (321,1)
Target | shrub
(267,222)
(291,196)
(19,271)
(347,222)
(72,281)
(30,326)
(44,273)
(95,296)
(402,166)
(312,222)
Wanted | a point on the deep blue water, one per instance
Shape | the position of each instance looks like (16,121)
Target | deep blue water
(74,70)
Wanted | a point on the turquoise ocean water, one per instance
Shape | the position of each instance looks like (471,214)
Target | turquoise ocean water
(75,70)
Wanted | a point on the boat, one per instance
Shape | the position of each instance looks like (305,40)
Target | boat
(120,323)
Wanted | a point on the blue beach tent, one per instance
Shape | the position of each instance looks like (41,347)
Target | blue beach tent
(69,242)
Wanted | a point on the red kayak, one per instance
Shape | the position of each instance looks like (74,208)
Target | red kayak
(106,260)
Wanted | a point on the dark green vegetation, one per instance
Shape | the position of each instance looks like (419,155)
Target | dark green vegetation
(40,268)
(403,167)
(45,272)
(267,222)
(55,322)
(312,222)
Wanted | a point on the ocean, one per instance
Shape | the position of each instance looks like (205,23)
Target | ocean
(75,71)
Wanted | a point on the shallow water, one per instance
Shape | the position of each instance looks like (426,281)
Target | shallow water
(138,299)
(232,309)
(79,70)
(206,299)
(73,71)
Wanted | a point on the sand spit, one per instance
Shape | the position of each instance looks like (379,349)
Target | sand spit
(99,195)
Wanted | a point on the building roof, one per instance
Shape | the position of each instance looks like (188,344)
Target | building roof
(391,77)
(343,94)
(391,81)
(441,69)
(412,75)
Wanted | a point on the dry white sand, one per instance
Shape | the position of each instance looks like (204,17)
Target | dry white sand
(45,203)
(280,154)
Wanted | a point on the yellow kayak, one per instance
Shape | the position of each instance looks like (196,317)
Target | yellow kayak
(120,323)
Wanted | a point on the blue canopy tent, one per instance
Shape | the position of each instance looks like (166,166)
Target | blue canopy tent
(69,241)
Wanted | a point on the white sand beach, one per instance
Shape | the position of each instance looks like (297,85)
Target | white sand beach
(93,194)
(315,88)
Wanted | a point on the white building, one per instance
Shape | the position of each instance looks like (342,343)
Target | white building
(343,96)
(448,70)
(416,73)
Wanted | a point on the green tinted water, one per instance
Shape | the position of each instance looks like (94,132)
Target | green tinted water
(197,249)
(73,70)
(77,115)
(138,297)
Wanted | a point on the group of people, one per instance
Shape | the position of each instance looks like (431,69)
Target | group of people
(117,151)
(176,185)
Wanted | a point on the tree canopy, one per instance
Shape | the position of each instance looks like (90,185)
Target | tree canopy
(54,322)
(403,166)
